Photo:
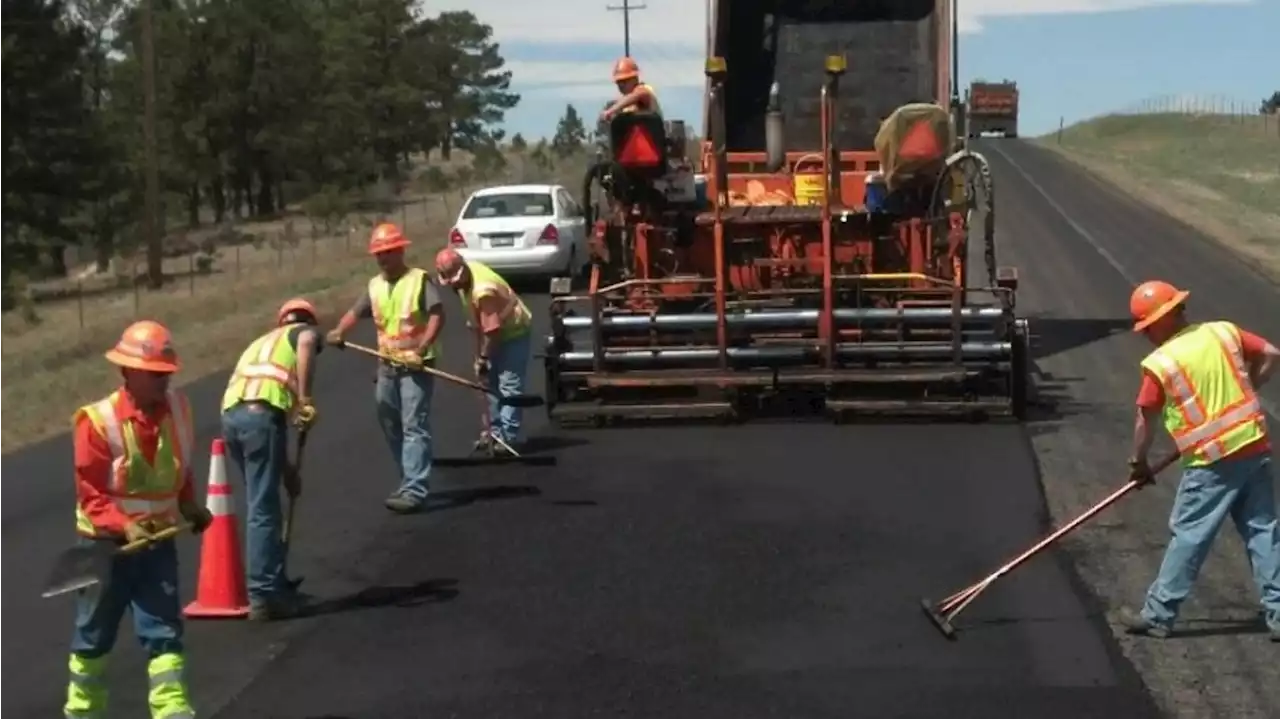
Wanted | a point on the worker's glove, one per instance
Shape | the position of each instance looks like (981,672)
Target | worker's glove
(409,359)
(199,517)
(138,531)
(1140,471)
(306,414)
(292,480)
(482,369)
(334,339)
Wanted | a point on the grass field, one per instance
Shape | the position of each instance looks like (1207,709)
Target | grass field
(1217,173)
(52,351)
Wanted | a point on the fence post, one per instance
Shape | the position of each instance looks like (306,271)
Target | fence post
(1062,121)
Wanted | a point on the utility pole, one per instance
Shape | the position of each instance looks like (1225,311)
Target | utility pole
(151,203)
(626,7)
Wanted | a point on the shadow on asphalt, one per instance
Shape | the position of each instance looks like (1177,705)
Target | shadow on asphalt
(1051,336)
(447,499)
(1219,628)
(431,591)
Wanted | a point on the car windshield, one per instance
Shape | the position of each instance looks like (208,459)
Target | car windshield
(513,204)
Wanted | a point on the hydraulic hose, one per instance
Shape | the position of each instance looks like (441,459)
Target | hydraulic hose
(987,188)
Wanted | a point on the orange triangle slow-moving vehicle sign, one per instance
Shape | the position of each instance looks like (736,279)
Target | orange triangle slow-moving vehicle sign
(639,149)
(920,143)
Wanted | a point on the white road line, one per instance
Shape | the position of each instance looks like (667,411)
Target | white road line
(1271,407)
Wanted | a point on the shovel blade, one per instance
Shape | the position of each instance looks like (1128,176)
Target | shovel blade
(78,568)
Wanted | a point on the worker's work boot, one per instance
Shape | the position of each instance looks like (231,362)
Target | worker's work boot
(400,504)
(285,605)
(1138,625)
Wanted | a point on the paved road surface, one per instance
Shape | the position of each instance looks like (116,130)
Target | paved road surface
(765,570)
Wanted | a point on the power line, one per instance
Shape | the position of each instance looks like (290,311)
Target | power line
(626,7)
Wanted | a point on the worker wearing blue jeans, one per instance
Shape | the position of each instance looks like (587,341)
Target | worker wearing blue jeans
(269,388)
(505,375)
(1201,381)
(405,307)
(404,412)
(503,325)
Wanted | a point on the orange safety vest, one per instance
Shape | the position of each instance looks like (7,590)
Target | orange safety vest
(140,489)
(1211,409)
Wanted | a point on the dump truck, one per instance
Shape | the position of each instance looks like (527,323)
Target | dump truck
(992,107)
(821,264)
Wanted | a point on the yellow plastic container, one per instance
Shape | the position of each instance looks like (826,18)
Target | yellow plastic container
(809,185)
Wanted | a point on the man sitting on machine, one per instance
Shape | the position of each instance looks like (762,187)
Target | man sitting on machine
(636,96)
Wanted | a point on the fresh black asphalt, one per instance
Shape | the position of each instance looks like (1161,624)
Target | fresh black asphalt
(765,570)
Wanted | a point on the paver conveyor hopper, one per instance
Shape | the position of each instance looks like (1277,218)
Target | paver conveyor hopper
(828,258)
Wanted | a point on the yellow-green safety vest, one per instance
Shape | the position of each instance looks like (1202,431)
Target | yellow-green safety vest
(1211,409)
(516,318)
(141,490)
(400,322)
(266,372)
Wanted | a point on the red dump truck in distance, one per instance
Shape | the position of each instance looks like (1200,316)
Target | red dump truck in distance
(992,107)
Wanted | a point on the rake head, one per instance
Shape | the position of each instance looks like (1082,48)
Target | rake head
(938,620)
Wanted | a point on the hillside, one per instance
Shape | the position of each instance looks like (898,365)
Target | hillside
(1218,173)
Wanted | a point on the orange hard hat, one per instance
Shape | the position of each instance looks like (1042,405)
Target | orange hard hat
(1152,300)
(297,304)
(625,69)
(449,265)
(145,345)
(386,237)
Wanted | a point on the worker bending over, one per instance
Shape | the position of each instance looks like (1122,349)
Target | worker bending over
(1202,381)
(133,479)
(503,327)
(269,388)
(405,307)
(636,95)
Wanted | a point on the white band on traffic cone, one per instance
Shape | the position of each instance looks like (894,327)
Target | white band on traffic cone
(219,498)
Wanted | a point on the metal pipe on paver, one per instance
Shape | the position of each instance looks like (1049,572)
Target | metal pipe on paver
(777,355)
(785,319)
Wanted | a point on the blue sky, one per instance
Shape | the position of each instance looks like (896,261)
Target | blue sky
(1071,58)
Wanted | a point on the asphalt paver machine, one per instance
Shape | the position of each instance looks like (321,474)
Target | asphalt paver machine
(820,261)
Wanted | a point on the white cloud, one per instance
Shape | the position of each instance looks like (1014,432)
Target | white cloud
(681,23)
(684,21)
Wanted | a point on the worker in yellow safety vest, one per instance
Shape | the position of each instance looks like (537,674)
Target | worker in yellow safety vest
(503,330)
(405,307)
(269,389)
(133,479)
(1201,381)
(637,96)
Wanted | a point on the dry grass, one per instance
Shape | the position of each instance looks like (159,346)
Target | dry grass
(53,364)
(1217,173)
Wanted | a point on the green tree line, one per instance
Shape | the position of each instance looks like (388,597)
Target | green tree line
(257,104)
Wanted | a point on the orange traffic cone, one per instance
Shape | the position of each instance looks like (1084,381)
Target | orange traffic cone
(221,590)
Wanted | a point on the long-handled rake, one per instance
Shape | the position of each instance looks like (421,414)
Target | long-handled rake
(944,612)
(519,400)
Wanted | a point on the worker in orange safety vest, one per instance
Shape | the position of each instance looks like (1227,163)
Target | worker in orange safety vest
(637,96)
(1201,382)
(503,335)
(133,479)
(405,307)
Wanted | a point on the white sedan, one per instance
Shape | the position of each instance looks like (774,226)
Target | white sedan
(523,231)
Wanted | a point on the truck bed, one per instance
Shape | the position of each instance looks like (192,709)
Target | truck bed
(893,47)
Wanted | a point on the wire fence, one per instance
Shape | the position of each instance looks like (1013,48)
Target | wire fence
(1246,114)
(228,261)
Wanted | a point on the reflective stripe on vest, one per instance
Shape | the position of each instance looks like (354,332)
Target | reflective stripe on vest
(267,372)
(140,490)
(515,316)
(1211,409)
(396,312)
(651,105)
